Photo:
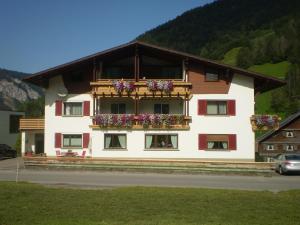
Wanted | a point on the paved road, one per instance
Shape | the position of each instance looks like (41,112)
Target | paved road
(96,179)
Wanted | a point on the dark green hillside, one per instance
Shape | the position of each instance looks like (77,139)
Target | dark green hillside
(260,35)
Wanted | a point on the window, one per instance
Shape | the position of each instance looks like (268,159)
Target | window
(14,123)
(161,141)
(118,108)
(217,142)
(72,140)
(289,134)
(289,147)
(216,107)
(270,147)
(112,141)
(211,75)
(217,145)
(72,108)
(161,108)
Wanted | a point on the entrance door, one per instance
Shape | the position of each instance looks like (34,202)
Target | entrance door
(39,143)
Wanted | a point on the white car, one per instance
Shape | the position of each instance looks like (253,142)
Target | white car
(285,163)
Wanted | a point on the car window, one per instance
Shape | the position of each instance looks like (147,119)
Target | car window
(293,157)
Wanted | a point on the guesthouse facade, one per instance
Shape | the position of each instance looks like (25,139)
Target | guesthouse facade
(147,102)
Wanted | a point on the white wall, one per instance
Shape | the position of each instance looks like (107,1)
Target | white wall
(5,136)
(61,124)
(241,90)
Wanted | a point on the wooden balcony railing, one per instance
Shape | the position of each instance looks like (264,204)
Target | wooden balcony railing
(141,122)
(32,124)
(106,88)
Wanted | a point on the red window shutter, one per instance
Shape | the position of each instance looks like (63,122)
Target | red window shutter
(232,141)
(202,141)
(231,107)
(57,140)
(58,108)
(86,108)
(86,140)
(202,104)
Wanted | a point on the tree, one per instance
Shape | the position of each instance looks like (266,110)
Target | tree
(33,108)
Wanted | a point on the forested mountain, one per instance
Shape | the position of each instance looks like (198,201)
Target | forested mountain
(14,92)
(259,35)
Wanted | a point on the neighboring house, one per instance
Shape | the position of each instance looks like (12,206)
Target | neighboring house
(284,140)
(142,101)
(9,126)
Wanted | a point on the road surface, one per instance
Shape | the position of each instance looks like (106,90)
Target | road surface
(97,179)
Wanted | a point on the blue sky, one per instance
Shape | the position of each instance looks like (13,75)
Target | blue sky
(38,34)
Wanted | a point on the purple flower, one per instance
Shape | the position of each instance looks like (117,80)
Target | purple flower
(119,86)
(152,85)
(168,86)
(129,87)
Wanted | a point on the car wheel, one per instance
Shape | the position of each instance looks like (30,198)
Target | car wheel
(281,172)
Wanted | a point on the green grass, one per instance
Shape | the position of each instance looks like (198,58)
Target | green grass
(231,56)
(279,70)
(34,204)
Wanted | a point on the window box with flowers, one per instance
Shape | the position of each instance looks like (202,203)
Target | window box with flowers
(265,122)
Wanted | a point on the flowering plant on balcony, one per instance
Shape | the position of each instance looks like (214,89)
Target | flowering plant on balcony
(121,85)
(118,85)
(152,85)
(168,86)
(114,120)
(129,87)
(157,120)
(163,86)
(267,121)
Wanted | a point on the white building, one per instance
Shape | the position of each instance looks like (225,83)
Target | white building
(143,101)
(9,126)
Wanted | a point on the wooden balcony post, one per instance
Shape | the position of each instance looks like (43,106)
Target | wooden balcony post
(185,63)
(136,64)
(94,70)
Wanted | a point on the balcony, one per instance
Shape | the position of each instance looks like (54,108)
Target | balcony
(265,122)
(141,121)
(142,88)
(32,124)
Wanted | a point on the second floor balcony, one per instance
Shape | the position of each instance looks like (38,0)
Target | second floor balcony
(127,113)
(141,121)
(142,88)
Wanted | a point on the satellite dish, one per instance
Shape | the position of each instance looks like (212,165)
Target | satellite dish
(62,92)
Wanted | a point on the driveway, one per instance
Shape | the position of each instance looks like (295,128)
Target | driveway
(97,179)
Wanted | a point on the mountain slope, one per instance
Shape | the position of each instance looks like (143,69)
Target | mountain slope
(13,90)
(260,35)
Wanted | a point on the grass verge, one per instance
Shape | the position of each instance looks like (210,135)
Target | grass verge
(25,203)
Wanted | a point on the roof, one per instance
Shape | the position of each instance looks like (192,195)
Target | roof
(283,124)
(262,83)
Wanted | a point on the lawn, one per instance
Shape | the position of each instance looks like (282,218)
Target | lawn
(25,203)
(279,70)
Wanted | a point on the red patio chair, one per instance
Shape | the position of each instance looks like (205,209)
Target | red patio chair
(58,154)
(82,155)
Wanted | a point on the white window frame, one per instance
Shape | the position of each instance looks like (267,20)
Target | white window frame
(269,148)
(289,149)
(71,115)
(76,147)
(289,134)
(115,148)
(161,148)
